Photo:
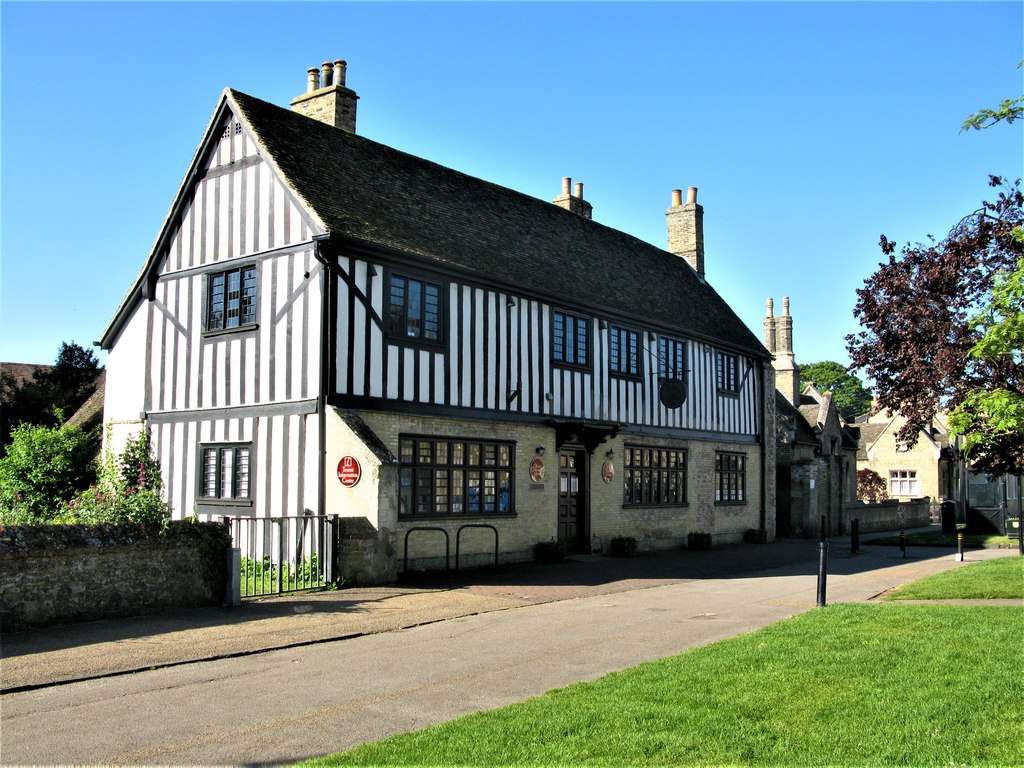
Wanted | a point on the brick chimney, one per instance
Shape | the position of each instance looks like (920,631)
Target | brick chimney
(778,338)
(574,202)
(327,99)
(686,229)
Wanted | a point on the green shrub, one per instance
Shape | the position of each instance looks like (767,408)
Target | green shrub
(133,505)
(43,468)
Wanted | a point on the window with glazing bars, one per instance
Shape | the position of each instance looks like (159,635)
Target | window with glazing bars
(903,482)
(654,477)
(414,309)
(726,370)
(226,472)
(624,352)
(671,359)
(231,299)
(730,477)
(440,477)
(570,339)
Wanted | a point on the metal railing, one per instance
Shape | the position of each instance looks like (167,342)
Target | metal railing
(285,554)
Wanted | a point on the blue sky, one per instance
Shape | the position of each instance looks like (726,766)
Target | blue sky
(809,128)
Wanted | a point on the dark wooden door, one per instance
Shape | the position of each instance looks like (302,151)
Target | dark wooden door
(572,498)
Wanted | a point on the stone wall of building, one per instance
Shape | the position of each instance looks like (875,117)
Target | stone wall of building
(63,573)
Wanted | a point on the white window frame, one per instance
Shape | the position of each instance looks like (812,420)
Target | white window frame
(904,483)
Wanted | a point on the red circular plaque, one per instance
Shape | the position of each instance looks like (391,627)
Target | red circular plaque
(349,471)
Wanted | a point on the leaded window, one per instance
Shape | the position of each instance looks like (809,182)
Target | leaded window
(671,359)
(415,309)
(726,372)
(624,351)
(225,472)
(570,339)
(654,477)
(442,477)
(730,478)
(231,299)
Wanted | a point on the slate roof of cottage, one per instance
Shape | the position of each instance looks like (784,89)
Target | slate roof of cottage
(803,431)
(869,433)
(379,196)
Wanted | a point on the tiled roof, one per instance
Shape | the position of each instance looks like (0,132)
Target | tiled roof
(23,372)
(868,434)
(91,411)
(382,197)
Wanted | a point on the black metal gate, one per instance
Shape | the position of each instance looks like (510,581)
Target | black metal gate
(285,554)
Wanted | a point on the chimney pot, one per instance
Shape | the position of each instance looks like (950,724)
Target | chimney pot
(686,229)
(785,305)
(335,106)
(566,185)
(770,307)
(579,189)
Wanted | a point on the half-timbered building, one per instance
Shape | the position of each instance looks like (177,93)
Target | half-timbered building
(327,324)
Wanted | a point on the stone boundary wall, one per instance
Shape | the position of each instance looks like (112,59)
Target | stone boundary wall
(890,515)
(64,573)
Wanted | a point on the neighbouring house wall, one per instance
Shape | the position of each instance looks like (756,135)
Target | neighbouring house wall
(891,515)
(53,574)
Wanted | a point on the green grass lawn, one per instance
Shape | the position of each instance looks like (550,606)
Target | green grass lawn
(938,539)
(1002,577)
(844,685)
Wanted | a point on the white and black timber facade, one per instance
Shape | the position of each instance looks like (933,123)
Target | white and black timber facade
(482,357)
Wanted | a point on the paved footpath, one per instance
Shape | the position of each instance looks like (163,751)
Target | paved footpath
(314,695)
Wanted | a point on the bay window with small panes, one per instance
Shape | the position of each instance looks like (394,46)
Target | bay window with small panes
(443,477)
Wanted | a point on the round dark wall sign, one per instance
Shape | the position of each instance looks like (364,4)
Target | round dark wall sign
(672,393)
(349,471)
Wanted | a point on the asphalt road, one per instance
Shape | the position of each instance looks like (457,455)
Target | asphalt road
(286,705)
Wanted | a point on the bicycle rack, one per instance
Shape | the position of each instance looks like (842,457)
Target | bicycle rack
(458,535)
(447,544)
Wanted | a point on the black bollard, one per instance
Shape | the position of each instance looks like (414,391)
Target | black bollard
(959,546)
(1020,533)
(822,572)
(855,536)
(903,544)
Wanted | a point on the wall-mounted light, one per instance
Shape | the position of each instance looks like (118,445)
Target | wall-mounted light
(511,301)
(603,325)
(611,453)
(539,450)
(371,271)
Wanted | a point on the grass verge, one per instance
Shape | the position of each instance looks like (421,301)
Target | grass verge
(1002,577)
(939,539)
(843,685)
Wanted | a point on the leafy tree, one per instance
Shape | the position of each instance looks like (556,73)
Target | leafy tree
(51,394)
(918,311)
(994,416)
(1008,110)
(44,467)
(849,393)
(870,486)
